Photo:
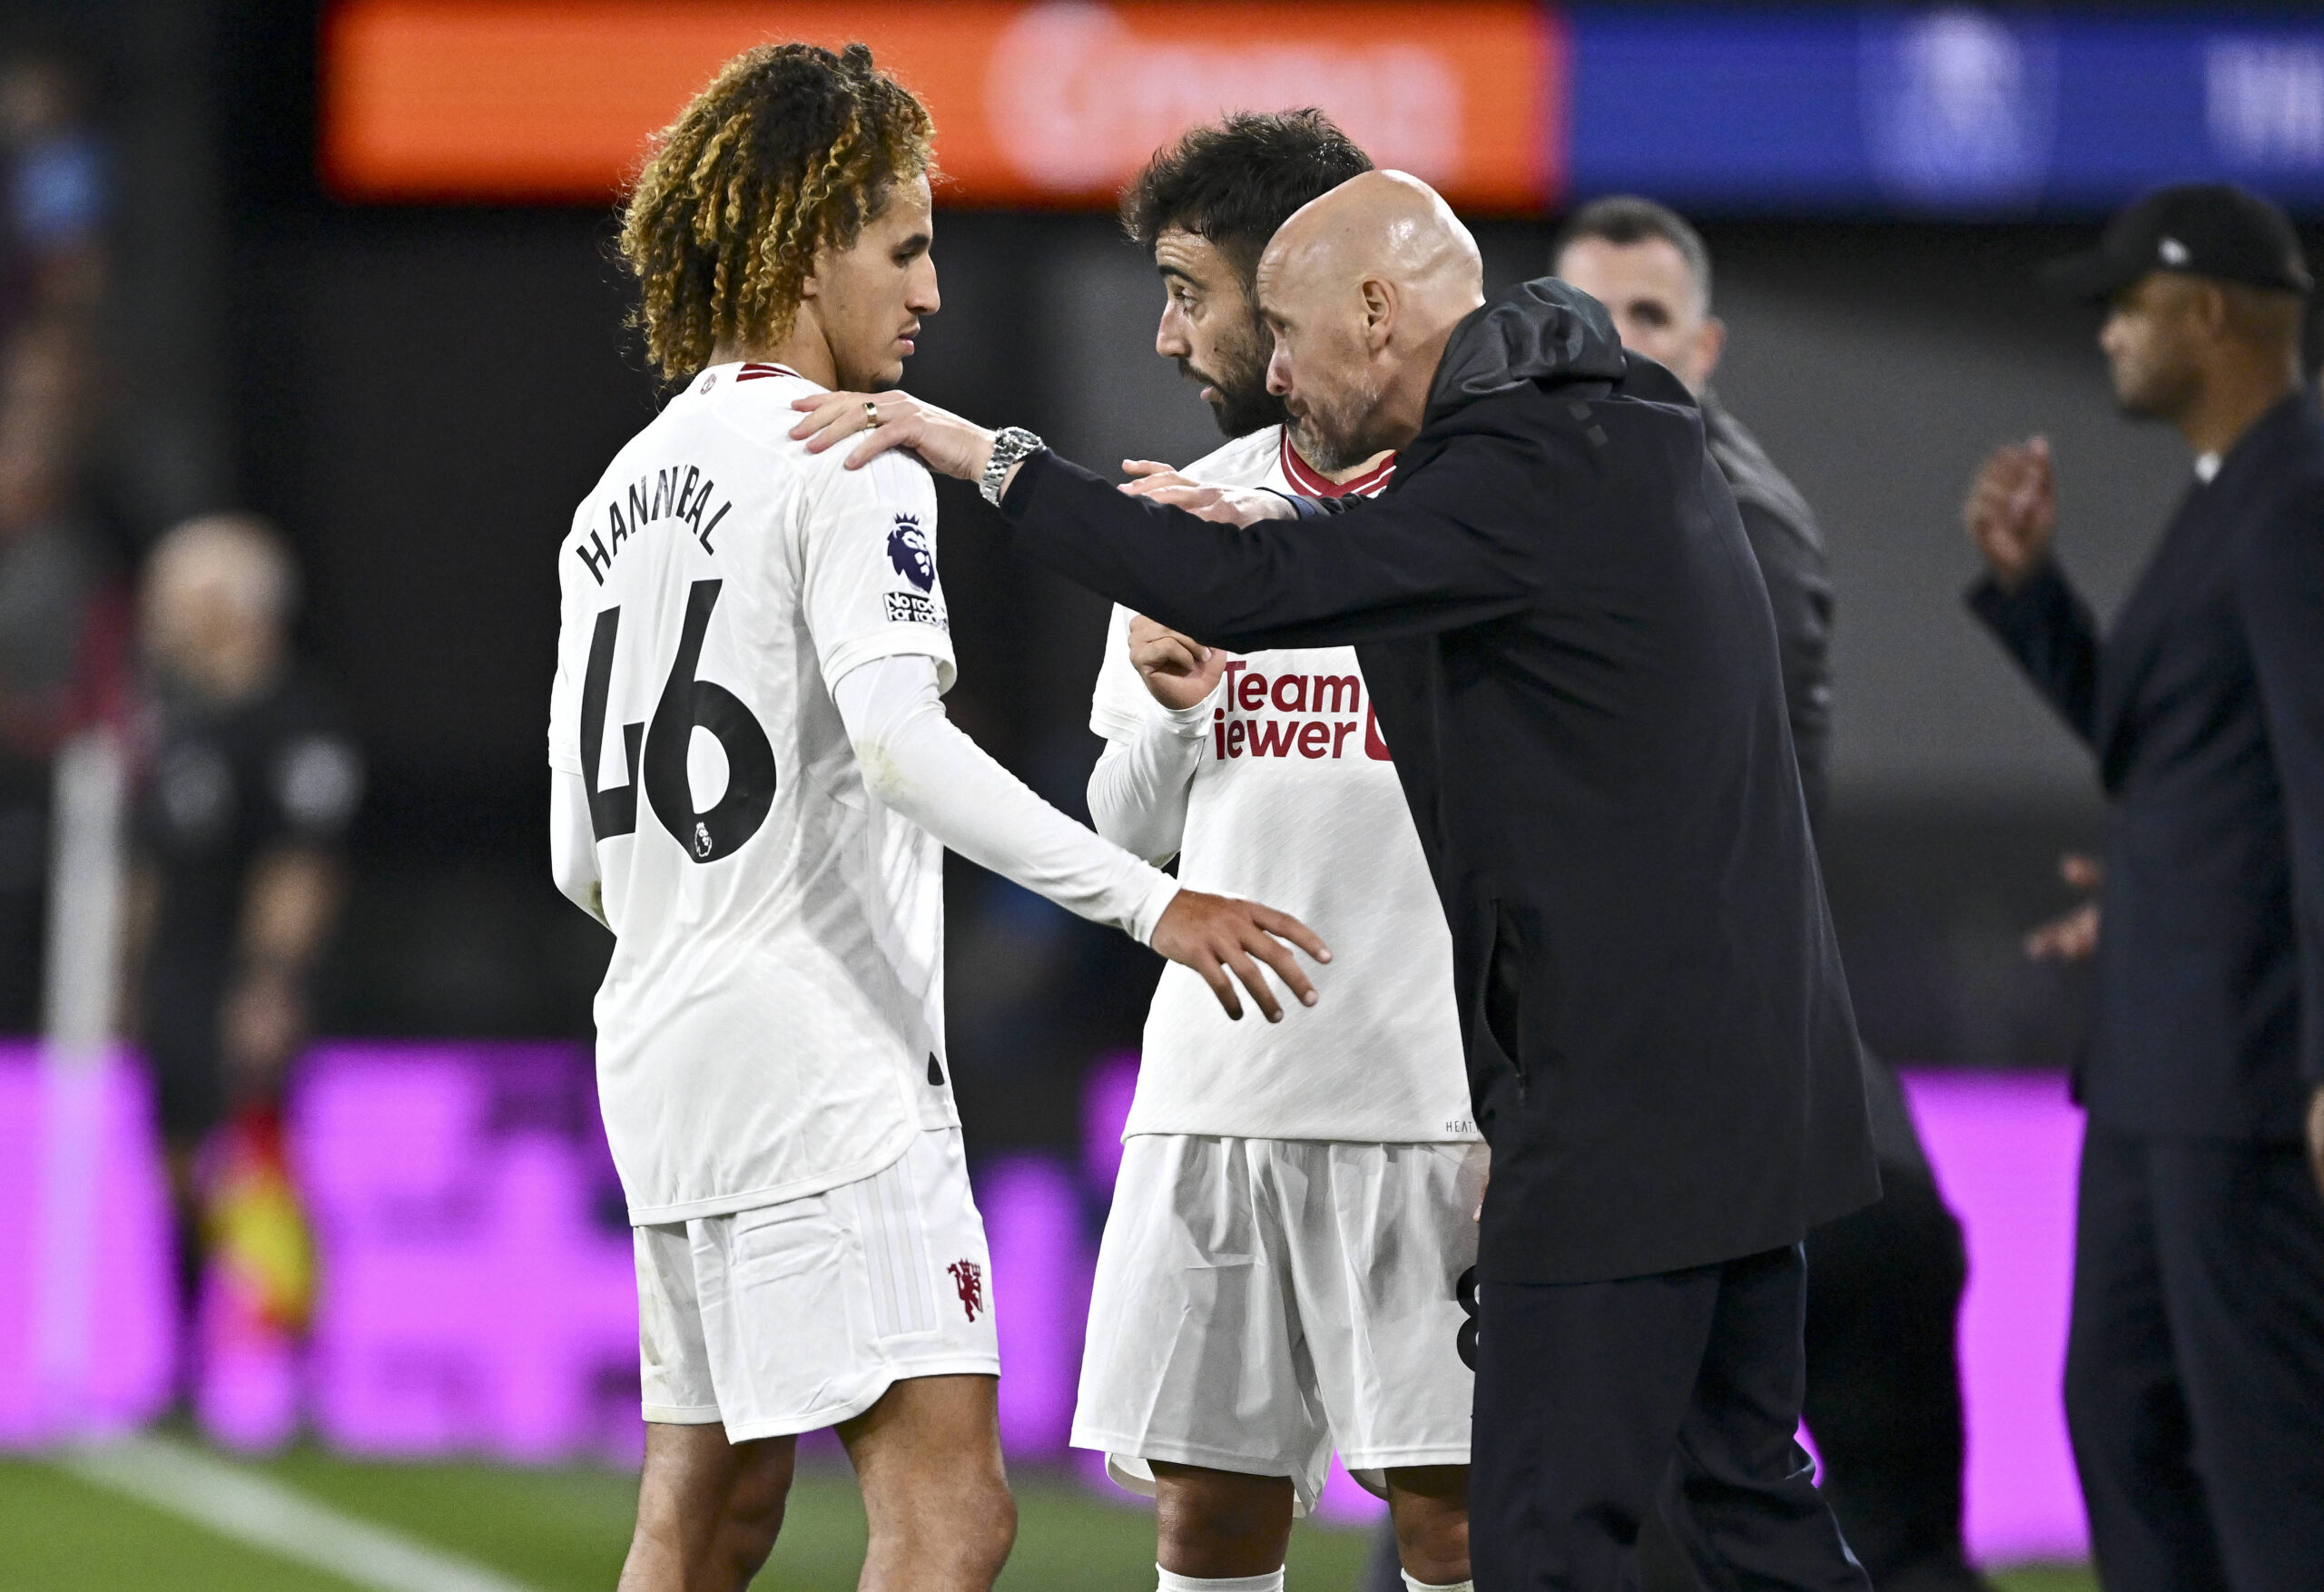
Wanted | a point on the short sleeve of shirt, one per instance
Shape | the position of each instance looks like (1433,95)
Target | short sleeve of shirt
(1119,703)
(313,772)
(871,589)
(318,781)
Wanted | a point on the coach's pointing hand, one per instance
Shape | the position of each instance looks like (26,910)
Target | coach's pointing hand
(945,443)
(1215,935)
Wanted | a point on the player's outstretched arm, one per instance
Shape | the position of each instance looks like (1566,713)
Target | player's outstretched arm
(918,764)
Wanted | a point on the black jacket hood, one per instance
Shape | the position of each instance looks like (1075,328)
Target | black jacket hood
(1541,330)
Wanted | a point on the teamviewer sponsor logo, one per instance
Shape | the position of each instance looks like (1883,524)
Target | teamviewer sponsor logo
(1320,716)
(912,608)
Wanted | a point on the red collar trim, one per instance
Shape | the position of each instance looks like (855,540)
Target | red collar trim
(757,372)
(1307,483)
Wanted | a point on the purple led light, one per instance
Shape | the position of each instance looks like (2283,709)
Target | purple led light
(1105,1096)
(476,1292)
(131,1314)
(1041,1266)
(2005,1149)
(1344,1502)
(248,1396)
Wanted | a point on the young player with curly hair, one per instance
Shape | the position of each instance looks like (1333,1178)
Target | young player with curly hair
(755,783)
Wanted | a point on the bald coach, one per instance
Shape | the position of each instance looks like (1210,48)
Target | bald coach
(1573,663)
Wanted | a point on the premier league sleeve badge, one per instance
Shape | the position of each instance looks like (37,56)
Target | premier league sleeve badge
(914,554)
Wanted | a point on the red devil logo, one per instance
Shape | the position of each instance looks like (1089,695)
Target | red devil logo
(968,1278)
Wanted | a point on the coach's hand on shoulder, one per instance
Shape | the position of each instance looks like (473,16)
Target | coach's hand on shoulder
(1220,935)
(1231,506)
(1179,672)
(2011,511)
(945,443)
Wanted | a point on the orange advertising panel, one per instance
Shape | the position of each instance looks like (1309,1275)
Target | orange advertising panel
(536,101)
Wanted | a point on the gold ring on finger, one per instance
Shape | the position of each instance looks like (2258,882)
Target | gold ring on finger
(871,413)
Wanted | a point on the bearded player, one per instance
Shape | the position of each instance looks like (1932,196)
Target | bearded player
(755,780)
(1295,1210)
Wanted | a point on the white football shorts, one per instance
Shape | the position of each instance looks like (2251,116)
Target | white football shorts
(794,1316)
(1259,1303)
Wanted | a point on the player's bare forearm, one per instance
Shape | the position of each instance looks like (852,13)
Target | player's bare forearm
(294,899)
(294,902)
(141,910)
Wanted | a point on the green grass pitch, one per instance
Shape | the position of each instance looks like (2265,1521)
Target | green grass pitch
(564,1531)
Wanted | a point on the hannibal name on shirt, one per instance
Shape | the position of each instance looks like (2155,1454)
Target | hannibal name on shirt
(675,492)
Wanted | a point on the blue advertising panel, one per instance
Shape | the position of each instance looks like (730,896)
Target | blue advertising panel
(1950,112)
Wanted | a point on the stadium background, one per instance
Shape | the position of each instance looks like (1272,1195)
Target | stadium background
(362,282)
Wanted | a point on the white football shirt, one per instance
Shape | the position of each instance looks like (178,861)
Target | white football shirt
(1295,803)
(771,1023)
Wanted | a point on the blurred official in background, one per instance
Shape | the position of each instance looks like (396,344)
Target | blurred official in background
(248,778)
(2195,1370)
(1883,1284)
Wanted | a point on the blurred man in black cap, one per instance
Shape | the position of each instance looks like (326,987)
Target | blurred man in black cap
(1884,1283)
(2195,1372)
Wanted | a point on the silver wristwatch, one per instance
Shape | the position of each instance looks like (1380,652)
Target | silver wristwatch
(1011,443)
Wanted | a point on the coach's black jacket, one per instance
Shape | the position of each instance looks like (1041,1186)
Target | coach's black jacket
(1572,657)
(2205,706)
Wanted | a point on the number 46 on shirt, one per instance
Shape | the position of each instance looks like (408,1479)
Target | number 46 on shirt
(685,706)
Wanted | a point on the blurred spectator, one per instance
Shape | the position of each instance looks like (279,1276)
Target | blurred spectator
(61,623)
(61,629)
(51,253)
(248,781)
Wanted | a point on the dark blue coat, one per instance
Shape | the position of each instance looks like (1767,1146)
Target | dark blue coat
(1572,658)
(2205,706)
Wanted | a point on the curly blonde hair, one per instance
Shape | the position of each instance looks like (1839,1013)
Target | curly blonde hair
(790,150)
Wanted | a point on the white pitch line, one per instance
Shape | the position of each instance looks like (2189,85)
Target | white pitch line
(250,1507)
